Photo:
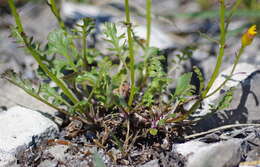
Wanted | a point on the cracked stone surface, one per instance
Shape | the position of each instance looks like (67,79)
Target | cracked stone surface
(22,128)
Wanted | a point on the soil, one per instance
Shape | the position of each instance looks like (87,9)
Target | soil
(79,152)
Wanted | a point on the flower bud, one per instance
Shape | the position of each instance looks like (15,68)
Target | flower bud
(248,36)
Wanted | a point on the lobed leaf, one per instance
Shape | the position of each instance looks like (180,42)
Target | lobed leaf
(183,84)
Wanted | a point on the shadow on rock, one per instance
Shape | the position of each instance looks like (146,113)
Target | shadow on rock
(244,108)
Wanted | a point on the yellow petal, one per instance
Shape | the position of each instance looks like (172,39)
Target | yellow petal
(252,30)
(248,36)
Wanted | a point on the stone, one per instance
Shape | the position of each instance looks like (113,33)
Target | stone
(11,95)
(7,159)
(22,128)
(244,107)
(153,163)
(12,55)
(74,11)
(58,152)
(252,158)
(254,155)
(220,154)
(159,38)
(48,163)
(242,72)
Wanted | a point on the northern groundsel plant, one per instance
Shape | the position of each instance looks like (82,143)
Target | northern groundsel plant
(122,100)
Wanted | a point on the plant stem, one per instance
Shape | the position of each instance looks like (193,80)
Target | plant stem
(37,56)
(221,49)
(56,12)
(148,22)
(219,129)
(84,53)
(131,53)
(34,95)
(84,46)
(232,11)
(231,73)
(216,70)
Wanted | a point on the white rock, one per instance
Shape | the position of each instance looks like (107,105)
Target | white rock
(159,38)
(7,159)
(221,154)
(69,9)
(20,127)
(242,71)
(152,163)
(58,152)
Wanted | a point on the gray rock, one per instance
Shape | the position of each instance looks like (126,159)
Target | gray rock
(153,163)
(159,38)
(11,95)
(221,154)
(77,11)
(105,13)
(38,21)
(48,163)
(7,159)
(22,128)
(254,155)
(245,105)
(242,72)
(58,152)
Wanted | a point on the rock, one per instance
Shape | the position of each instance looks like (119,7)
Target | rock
(153,163)
(242,72)
(48,163)
(11,95)
(244,107)
(159,38)
(7,159)
(12,54)
(221,154)
(22,128)
(75,12)
(72,12)
(253,155)
(38,20)
(58,152)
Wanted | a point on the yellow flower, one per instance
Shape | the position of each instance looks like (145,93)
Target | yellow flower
(248,36)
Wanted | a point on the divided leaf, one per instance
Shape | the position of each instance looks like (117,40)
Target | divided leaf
(225,100)
(183,84)
(117,41)
(58,42)
(200,77)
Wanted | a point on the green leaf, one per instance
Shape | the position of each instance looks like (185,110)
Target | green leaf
(115,39)
(200,77)
(161,122)
(90,78)
(58,42)
(150,52)
(153,131)
(159,80)
(172,115)
(15,34)
(183,84)
(226,99)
